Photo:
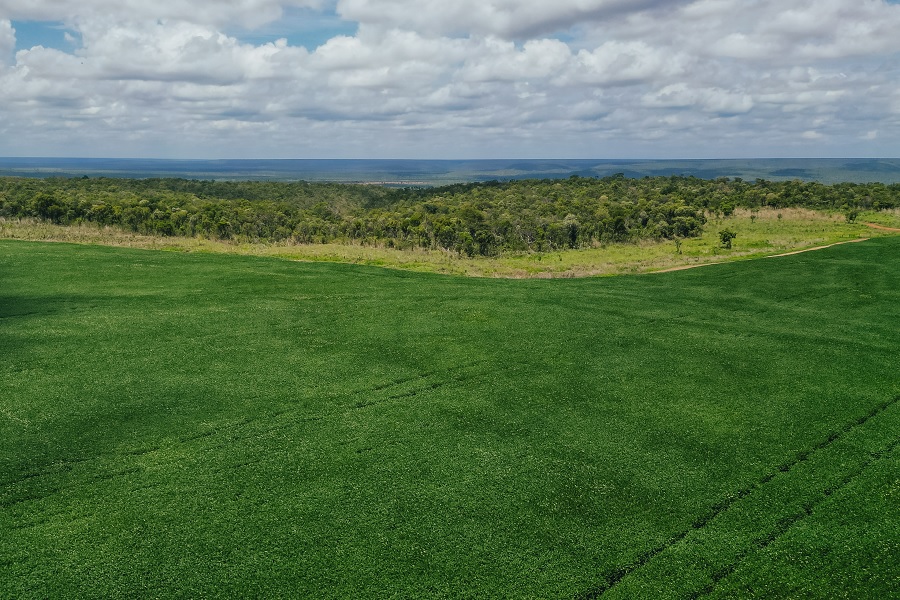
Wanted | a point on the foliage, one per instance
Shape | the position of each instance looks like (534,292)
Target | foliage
(725,236)
(797,229)
(477,219)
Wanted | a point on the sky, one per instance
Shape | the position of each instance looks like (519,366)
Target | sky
(444,79)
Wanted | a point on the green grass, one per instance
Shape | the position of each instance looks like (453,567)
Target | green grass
(190,425)
(889,218)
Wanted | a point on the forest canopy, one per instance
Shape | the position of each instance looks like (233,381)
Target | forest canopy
(486,218)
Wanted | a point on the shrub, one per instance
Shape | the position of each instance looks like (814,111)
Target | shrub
(726,235)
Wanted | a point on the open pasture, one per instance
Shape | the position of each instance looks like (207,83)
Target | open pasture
(206,425)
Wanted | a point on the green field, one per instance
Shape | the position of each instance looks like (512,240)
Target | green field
(205,425)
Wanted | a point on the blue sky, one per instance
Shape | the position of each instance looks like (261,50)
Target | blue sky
(435,79)
(41,33)
(299,26)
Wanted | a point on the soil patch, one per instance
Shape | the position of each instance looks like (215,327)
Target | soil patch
(818,248)
(881,227)
(685,267)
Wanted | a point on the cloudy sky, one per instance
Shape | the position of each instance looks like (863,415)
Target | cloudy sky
(450,78)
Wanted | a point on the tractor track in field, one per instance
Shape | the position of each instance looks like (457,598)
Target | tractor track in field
(785,524)
(612,578)
(454,374)
(291,416)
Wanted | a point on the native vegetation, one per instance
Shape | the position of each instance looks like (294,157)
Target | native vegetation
(477,219)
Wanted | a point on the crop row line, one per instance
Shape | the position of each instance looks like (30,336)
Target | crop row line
(784,525)
(61,467)
(613,577)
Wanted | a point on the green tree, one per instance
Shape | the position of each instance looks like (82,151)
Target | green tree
(726,235)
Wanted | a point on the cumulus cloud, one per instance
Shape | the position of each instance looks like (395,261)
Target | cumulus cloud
(503,18)
(250,13)
(647,77)
(628,62)
(180,51)
(395,58)
(7,42)
(800,30)
(713,100)
(498,60)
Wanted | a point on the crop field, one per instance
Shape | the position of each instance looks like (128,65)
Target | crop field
(183,424)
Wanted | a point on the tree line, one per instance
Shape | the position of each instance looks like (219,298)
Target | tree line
(485,218)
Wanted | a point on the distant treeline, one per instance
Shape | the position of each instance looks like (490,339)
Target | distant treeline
(474,219)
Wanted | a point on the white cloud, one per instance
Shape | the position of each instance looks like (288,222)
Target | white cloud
(712,100)
(503,18)
(810,30)
(7,41)
(249,13)
(167,52)
(619,63)
(391,59)
(498,60)
(651,77)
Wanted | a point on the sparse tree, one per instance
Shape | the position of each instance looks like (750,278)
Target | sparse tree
(726,235)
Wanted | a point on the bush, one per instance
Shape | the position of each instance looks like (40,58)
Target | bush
(726,235)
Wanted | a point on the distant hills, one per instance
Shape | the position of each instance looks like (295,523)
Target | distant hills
(400,172)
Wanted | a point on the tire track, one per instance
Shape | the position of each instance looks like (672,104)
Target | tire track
(34,490)
(291,417)
(784,525)
(614,577)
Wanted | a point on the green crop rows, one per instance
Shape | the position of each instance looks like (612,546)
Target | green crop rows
(189,425)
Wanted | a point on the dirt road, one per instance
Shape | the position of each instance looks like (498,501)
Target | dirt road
(684,267)
(881,227)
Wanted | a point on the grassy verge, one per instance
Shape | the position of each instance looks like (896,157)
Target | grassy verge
(887,218)
(761,233)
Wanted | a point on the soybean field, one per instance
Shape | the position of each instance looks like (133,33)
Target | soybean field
(198,425)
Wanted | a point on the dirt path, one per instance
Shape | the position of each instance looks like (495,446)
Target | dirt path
(817,248)
(685,267)
(881,227)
